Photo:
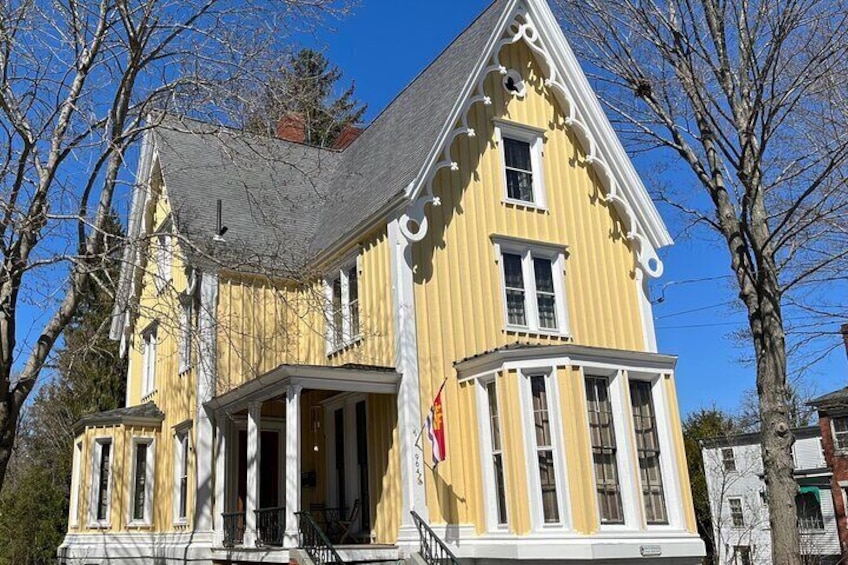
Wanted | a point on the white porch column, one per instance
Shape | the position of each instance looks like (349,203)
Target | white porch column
(254,413)
(220,505)
(292,464)
(206,383)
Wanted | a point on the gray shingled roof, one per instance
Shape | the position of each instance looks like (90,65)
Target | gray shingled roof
(837,398)
(147,412)
(284,203)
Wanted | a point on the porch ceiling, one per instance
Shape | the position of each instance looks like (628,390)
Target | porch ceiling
(346,378)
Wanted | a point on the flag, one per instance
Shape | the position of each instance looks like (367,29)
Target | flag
(436,430)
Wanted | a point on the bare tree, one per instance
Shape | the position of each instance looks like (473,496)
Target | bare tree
(750,96)
(78,79)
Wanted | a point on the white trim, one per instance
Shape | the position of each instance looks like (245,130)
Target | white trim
(93,504)
(149,344)
(484,424)
(186,329)
(342,274)
(409,393)
(76,481)
(293,465)
(529,251)
(182,463)
(537,519)
(149,466)
(535,138)
(646,311)
(207,378)
(347,404)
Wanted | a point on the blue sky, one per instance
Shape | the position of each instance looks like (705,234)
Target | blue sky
(386,43)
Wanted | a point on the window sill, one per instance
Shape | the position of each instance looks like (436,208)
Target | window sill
(139,525)
(335,350)
(524,205)
(181,523)
(529,332)
(100,525)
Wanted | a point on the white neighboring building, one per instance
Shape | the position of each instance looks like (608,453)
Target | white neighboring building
(737,491)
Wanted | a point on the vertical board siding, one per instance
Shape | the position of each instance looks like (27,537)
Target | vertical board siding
(578,450)
(384,467)
(458,293)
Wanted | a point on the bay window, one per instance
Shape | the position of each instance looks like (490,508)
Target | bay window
(648,452)
(142,481)
(604,450)
(493,455)
(181,465)
(101,482)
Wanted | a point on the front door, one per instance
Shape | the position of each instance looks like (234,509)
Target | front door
(348,459)
(269,470)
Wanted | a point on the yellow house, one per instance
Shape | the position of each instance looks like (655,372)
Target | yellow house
(291,315)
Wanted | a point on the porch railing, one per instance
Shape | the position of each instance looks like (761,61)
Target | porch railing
(433,550)
(233,528)
(314,541)
(270,525)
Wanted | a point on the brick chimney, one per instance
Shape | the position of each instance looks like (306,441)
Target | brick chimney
(291,127)
(347,136)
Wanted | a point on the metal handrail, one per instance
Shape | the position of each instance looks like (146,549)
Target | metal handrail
(314,541)
(432,549)
(270,525)
(234,523)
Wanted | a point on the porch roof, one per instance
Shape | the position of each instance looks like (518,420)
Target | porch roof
(344,378)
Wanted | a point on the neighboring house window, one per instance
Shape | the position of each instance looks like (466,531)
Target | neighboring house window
(186,330)
(543,443)
(343,320)
(521,151)
(495,456)
(181,469)
(728,459)
(102,481)
(822,452)
(742,555)
(604,450)
(534,287)
(840,433)
(737,517)
(148,359)
(142,484)
(76,472)
(808,505)
(648,452)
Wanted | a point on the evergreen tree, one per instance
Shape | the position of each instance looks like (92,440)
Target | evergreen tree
(90,377)
(305,89)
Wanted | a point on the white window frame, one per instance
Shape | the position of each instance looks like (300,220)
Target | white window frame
(164,255)
(186,305)
(93,522)
(535,137)
(76,480)
(149,344)
(486,452)
(147,519)
(182,444)
(730,511)
(528,250)
(625,457)
(537,518)
(725,460)
(835,435)
(342,274)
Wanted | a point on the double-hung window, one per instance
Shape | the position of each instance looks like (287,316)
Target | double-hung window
(840,434)
(648,452)
(604,450)
(521,151)
(142,481)
(728,459)
(737,516)
(544,445)
(181,459)
(343,317)
(494,456)
(148,359)
(533,287)
(101,488)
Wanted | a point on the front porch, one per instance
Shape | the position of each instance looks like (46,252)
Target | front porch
(306,451)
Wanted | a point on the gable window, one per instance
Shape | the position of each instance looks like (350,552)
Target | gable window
(142,483)
(533,287)
(648,452)
(181,461)
(186,329)
(521,152)
(808,505)
(840,433)
(101,488)
(343,318)
(148,360)
(604,450)
(737,516)
(728,459)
